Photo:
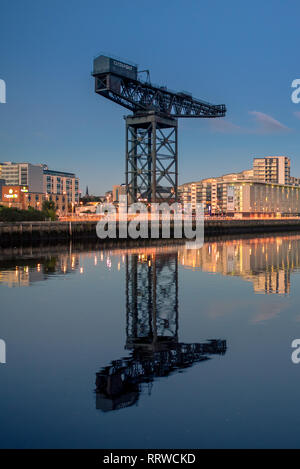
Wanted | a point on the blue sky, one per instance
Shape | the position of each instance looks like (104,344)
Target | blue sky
(243,54)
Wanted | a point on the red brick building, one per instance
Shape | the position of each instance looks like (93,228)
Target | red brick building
(20,197)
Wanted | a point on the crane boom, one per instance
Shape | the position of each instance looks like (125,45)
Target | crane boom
(139,96)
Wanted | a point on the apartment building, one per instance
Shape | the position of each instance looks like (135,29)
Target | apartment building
(61,183)
(22,174)
(40,179)
(265,190)
(210,192)
(274,169)
(259,198)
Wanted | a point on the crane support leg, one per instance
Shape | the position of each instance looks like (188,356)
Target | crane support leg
(151,158)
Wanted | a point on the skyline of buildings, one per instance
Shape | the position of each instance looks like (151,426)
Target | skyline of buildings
(266,189)
(40,179)
(24,185)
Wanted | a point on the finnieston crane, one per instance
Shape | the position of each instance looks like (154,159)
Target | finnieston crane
(152,130)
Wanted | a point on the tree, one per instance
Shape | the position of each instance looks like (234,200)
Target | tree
(49,209)
(11,214)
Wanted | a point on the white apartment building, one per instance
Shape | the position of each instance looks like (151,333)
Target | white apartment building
(22,174)
(274,169)
(266,190)
(210,192)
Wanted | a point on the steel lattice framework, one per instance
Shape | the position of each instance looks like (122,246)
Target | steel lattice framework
(138,96)
(151,132)
(151,158)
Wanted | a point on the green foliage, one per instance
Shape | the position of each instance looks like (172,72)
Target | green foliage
(48,205)
(14,214)
(49,209)
(91,198)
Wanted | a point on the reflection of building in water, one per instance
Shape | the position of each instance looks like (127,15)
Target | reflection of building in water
(22,273)
(152,333)
(266,262)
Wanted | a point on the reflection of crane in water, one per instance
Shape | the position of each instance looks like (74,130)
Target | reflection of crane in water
(152,333)
(152,300)
(119,384)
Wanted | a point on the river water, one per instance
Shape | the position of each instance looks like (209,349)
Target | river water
(151,347)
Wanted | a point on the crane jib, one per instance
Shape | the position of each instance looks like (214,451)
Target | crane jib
(118,81)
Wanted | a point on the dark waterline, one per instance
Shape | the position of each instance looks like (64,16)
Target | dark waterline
(151,347)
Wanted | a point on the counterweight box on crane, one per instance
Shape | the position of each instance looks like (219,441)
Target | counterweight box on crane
(103,65)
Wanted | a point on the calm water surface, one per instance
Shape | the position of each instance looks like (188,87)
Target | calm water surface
(151,347)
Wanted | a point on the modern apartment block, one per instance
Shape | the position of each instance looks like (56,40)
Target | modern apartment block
(22,174)
(274,169)
(266,190)
(210,192)
(40,179)
(59,182)
(259,198)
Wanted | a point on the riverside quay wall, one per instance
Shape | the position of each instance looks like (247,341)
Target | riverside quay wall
(20,233)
